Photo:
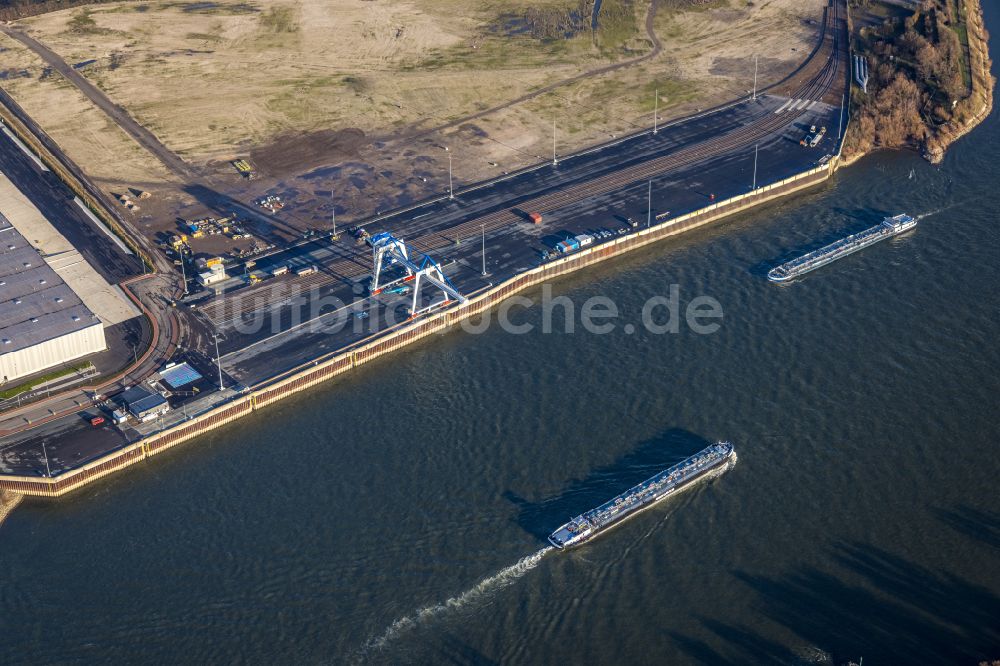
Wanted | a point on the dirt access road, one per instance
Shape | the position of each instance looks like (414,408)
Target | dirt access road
(186,172)
(142,136)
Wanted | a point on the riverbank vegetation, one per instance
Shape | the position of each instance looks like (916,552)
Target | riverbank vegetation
(929,76)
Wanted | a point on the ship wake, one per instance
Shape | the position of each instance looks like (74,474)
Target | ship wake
(478,594)
(921,216)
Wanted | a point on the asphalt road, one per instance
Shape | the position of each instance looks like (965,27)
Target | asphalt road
(269,328)
(287,321)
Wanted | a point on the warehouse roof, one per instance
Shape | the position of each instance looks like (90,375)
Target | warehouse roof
(35,304)
(140,401)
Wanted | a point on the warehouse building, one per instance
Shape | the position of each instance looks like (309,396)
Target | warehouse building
(43,323)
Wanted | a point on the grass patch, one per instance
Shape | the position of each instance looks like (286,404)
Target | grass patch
(358,84)
(672,91)
(961,29)
(203,8)
(83,23)
(15,391)
(202,37)
(616,25)
(503,53)
(278,20)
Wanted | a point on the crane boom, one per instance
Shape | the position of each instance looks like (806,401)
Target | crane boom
(387,251)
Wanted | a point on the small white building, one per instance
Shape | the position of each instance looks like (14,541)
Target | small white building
(213,275)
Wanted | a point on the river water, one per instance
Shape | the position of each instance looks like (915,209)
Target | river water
(399,515)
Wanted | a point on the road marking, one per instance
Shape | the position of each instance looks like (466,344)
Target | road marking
(27,151)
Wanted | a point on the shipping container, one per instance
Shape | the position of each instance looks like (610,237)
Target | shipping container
(585,239)
(568,245)
(535,217)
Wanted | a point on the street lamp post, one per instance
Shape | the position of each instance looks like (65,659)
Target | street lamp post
(656,109)
(484,250)
(451,186)
(218,360)
(840,118)
(649,205)
(555,160)
(45,453)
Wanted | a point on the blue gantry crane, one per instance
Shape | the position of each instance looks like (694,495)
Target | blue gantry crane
(388,252)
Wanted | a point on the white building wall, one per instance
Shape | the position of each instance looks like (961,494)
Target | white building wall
(69,347)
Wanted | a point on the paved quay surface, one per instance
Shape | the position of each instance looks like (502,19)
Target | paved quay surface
(283,323)
(289,321)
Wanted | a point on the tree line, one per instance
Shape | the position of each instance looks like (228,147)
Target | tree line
(916,79)
(11,10)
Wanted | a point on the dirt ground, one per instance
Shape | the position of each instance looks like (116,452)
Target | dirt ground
(352,103)
(88,136)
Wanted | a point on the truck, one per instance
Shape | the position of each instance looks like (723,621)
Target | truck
(279,270)
(812,139)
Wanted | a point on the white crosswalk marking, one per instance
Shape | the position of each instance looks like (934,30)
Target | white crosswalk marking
(797,105)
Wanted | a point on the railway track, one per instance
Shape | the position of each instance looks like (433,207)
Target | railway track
(426,238)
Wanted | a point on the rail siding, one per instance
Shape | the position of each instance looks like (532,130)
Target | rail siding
(319,371)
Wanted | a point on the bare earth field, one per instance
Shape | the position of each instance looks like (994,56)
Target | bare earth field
(353,101)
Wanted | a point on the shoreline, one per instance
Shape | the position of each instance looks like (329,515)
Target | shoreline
(982,87)
(324,368)
(350,357)
(983,84)
(8,502)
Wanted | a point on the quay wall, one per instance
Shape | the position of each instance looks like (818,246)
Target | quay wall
(327,367)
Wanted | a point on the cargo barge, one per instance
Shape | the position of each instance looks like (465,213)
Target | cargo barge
(709,462)
(889,227)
